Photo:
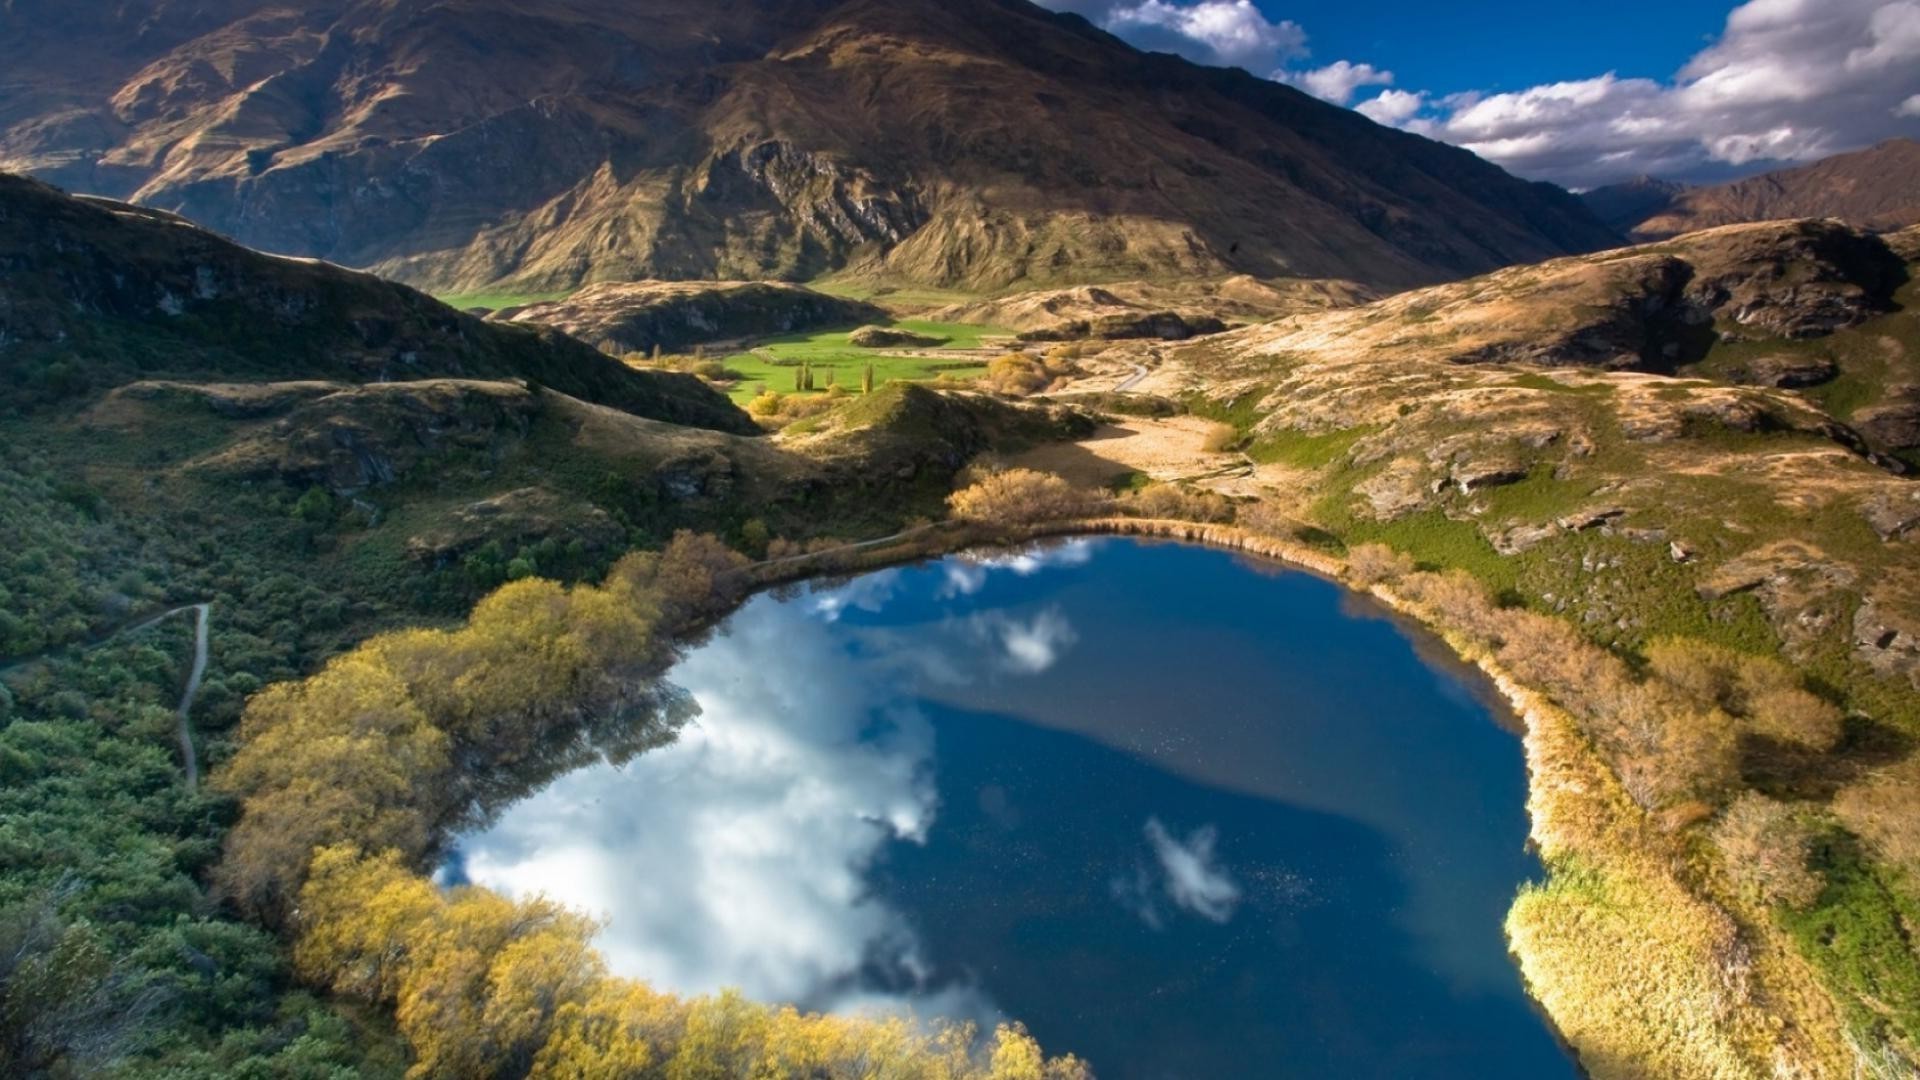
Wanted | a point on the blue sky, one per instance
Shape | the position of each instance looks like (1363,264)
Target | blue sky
(1505,44)
(1579,93)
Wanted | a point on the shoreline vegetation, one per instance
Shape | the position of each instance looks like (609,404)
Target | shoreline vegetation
(1647,951)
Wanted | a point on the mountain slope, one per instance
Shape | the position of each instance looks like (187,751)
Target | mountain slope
(976,143)
(96,294)
(1877,188)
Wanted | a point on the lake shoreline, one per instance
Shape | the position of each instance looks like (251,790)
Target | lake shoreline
(1609,946)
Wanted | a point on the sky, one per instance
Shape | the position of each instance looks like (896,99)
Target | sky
(1573,91)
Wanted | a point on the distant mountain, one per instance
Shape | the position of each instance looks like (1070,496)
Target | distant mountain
(1878,188)
(1625,205)
(96,294)
(547,143)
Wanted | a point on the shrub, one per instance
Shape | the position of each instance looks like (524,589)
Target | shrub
(1884,810)
(1023,497)
(1269,520)
(1378,564)
(1021,373)
(1766,850)
(1219,438)
(1761,690)
(1174,501)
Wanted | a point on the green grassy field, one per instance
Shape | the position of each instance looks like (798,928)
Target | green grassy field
(774,362)
(495,301)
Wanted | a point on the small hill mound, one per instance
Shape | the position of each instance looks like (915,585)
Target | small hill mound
(892,337)
(1650,309)
(639,316)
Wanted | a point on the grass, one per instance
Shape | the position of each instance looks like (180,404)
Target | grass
(1859,936)
(1299,448)
(773,363)
(498,300)
(901,296)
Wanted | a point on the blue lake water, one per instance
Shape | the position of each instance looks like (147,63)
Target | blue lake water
(1180,813)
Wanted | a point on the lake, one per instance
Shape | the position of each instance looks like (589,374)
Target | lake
(1181,813)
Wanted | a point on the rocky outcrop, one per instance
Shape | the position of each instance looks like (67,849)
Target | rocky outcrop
(1894,425)
(640,316)
(1785,371)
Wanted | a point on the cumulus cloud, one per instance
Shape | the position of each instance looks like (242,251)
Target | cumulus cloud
(1232,33)
(1787,80)
(1188,874)
(1338,81)
(1394,107)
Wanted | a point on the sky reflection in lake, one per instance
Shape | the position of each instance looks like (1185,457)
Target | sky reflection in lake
(1178,814)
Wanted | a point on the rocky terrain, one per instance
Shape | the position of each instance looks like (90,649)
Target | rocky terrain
(1535,414)
(641,316)
(545,145)
(1877,188)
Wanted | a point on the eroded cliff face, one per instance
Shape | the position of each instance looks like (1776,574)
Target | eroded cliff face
(548,144)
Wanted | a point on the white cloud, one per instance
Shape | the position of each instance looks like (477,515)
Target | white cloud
(1393,107)
(1337,81)
(1788,80)
(1194,880)
(1232,33)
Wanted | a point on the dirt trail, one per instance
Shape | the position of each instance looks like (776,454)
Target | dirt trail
(189,759)
(196,674)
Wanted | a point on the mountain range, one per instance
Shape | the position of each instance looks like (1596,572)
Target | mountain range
(543,144)
(1875,188)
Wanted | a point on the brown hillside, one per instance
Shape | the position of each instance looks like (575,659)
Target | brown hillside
(1877,188)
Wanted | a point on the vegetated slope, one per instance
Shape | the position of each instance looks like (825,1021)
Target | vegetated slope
(976,143)
(640,316)
(1876,188)
(312,513)
(1729,813)
(96,294)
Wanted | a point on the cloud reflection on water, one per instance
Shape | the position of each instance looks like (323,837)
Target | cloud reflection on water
(750,868)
